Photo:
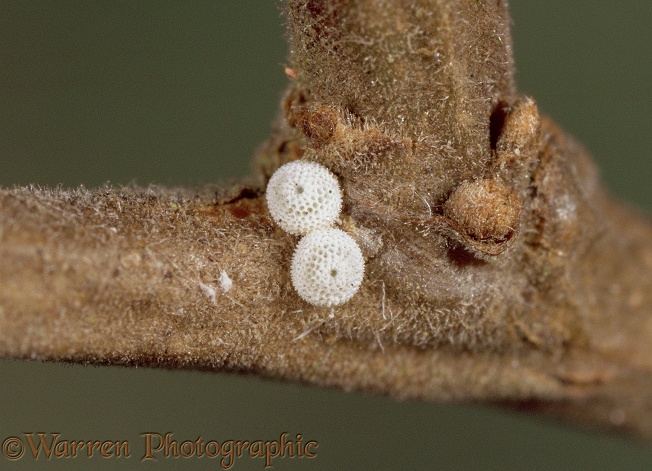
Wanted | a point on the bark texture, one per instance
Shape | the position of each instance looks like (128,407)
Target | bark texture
(497,269)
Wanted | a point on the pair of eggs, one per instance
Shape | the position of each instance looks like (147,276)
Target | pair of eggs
(304,199)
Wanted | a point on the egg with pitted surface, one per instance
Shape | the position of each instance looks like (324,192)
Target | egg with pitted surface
(327,267)
(303,196)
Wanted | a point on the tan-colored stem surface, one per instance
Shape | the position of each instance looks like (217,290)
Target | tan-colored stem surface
(497,269)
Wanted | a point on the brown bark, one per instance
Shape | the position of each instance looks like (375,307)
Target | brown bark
(497,268)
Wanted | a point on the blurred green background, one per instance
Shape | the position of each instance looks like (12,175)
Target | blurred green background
(181,93)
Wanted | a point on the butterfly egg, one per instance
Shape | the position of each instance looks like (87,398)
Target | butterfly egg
(327,267)
(303,196)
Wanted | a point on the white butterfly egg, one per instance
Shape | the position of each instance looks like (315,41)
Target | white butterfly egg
(303,196)
(327,267)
